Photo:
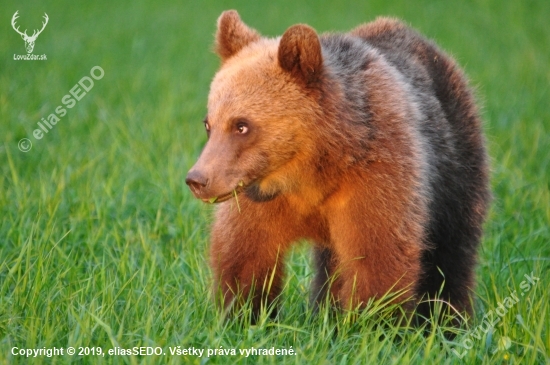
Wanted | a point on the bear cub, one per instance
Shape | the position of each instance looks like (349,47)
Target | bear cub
(368,144)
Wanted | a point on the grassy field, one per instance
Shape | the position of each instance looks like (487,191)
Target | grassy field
(103,247)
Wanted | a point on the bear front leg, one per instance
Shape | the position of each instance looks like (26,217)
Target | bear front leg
(377,253)
(246,255)
(325,284)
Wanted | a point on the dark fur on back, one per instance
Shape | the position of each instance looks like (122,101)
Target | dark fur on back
(458,177)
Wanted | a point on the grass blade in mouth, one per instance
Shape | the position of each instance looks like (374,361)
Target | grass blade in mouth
(237,198)
(224,197)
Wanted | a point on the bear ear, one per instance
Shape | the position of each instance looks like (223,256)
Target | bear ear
(232,34)
(300,53)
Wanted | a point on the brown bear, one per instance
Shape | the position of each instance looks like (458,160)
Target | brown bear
(368,144)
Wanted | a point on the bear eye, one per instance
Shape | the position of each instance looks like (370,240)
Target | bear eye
(207,126)
(242,128)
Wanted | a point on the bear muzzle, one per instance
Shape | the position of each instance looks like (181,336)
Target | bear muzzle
(199,185)
(196,182)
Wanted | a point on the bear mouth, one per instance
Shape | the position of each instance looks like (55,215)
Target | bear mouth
(224,197)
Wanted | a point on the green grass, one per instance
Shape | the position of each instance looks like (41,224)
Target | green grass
(102,244)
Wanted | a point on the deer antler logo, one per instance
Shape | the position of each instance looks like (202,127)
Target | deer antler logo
(29,41)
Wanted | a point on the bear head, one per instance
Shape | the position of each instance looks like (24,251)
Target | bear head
(262,109)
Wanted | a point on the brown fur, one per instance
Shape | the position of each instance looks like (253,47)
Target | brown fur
(233,35)
(349,168)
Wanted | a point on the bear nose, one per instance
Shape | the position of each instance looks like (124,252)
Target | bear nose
(196,181)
